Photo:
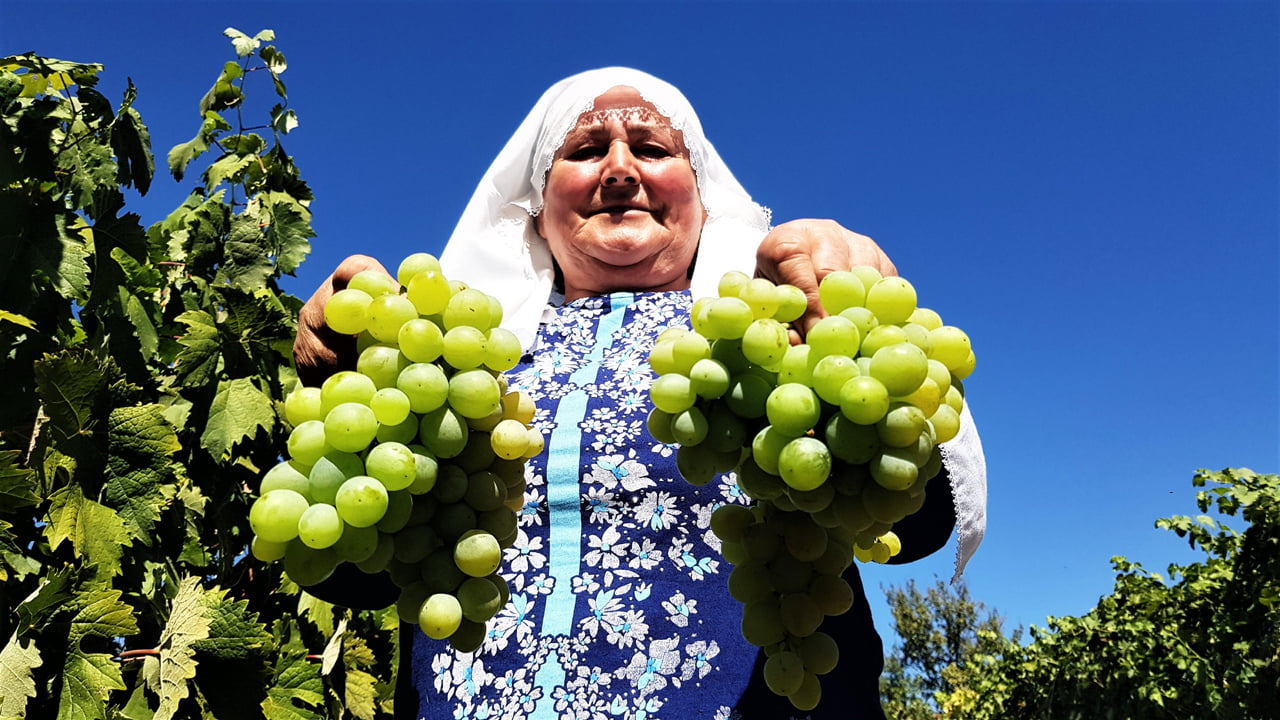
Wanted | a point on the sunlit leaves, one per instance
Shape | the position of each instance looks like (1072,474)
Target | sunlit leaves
(187,625)
(88,677)
(239,409)
(17,659)
(96,533)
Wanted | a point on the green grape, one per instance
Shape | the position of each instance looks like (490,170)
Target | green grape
(790,576)
(848,441)
(805,540)
(833,335)
(464,347)
(892,299)
(926,317)
(308,566)
(762,622)
(267,551)
(429,292)
(274,516)
(374,282)
(468,637)
(413,544)
(477,553)
(867,274)
(809,694)
(793,409)
(420,341)
(792,304)
(748,396)
(762,296)
(927,397)
(356,545)
(381,364)
(426,470)
(536,444)
(917,335)
(659,425)
(812,501)
(864,400)
(761,543)
(347,311)
(499,522)
(688,349)
(453,520)
(444,432)
(479,598)
(804,463)
(501,349)
(346,386)
(731,283)
(672,393)
(892,470)
(946,423)
(784,673)
(951,346)
(440,616)
(840,290)
(381,557)
(900,368)
(350,427)
(415,264)
(319,526)
(509,439)
(426,386)
(301,405)
(862,318)
(941,376)
(477,453)
(495,312)
(733,553)
(767,445)
(468,308)
(689,427)
(729,521)
(386,314)
(361,501)
(750,582)
(729,352)
(697,464)
(954,397)
(797,365)
(832,594)
(307,442)
(285,475)
(409,604)
(439,572)
(964,369)
(662,358)
(726,433)
(758,484)
(901,426)
(727,317)
(329,472)
(451,484)
(390,406)
(485,491)
(881,336)
(709,378)
(765,342)
(518,406)
(801,616)
(819,652)
(474,393)
(837,556)
(391,464)
(830,374)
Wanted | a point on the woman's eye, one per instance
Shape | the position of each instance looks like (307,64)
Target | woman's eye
(652,151)
(586,153)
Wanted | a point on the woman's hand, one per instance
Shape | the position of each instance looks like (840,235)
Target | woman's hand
(802,252)
(319,352)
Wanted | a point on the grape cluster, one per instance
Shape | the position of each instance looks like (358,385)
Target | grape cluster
(833,439)
(413,463)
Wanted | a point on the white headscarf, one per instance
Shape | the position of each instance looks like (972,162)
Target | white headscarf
(495,246)
(497,250)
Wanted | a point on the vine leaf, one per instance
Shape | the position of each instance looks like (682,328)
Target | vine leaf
(17,660)
(237,411)
(197,363)
(295,679)
(234,631)
(87,677)
(15,483)
(139,443)
(188,624)
(96,532)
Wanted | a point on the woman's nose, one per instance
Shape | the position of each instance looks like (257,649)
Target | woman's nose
(619,166)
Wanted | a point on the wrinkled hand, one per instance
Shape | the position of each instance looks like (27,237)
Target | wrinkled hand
(802,252)
(318,352)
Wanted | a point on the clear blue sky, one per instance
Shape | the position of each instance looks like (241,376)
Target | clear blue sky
(1089,189)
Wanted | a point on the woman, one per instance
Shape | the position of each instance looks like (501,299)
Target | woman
(601,218)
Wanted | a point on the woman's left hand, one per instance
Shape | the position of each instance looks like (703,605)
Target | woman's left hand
(802,252)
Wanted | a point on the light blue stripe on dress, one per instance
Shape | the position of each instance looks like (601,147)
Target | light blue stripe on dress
(564,502)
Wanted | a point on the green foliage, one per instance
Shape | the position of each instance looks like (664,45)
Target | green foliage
(144,369)
(938,631)
(1203,643)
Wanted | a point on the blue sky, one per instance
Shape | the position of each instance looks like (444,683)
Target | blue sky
(1089,189)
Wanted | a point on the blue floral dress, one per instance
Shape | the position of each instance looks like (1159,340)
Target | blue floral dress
(619,606)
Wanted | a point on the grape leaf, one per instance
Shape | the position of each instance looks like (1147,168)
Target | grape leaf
(234,631)
(237,411)
(246,266)
(16,319)
(88,678)
(182,154)
(71,385)
(97,534)
(188,624)
(361,694)
(197,364)
(226,168)
(16,483)
(53,593)
(296,678)
(139,444)
(64,261)
(131,142)
(16,685)
(288,230)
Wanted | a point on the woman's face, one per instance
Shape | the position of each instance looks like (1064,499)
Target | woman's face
(621,209)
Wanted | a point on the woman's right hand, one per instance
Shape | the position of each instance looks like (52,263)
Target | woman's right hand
(318,351)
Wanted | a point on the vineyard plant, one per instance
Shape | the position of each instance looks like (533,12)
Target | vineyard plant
(144,369)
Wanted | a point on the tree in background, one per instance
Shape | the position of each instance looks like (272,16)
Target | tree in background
(143,372)
(1203,643)
(938,631)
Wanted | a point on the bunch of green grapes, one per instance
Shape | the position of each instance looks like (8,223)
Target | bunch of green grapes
(413,463)
(834,440)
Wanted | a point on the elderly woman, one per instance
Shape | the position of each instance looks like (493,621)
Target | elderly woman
(599,221)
